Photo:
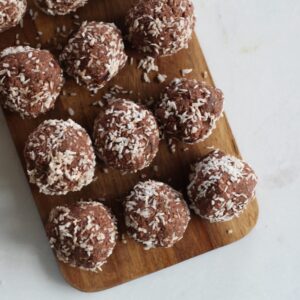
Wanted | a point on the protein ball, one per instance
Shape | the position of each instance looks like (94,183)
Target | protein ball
(59,157)
(189,110)
(30,80)
(221,187)
(126,136)
(160,27)
(156,215)
(11,13)
(59,7)
(94,55)
(82,235)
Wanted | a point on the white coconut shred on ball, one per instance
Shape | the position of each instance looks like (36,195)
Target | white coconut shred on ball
(59,7)
(94,55)
(60,157)
(30,80)
(11,13)
(160,27)
(82,234)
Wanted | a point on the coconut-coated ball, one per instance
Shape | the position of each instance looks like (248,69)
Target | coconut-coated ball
(82,234)
(156,215)
(221,187)
(11,13)
(160,27)
(126,136)
(188,110)
(94,55)
(30,80)
(59,157)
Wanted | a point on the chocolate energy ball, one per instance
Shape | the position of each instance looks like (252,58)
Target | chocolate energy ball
(126,136)
(160,27)
(189,109)
(11,13)
(82,235)
(30,80)
(59,157)
(156,215)
(59,7)
(94,55)
(221,187)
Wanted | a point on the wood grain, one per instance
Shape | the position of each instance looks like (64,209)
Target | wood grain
(129,261)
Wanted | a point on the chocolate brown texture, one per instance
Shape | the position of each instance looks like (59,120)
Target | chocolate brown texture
(188,110)
(94,55)
(11,13)
(160,27)
(82,234)
(30,80)
(126,136)
(59,157)
(156,215)
(221,187)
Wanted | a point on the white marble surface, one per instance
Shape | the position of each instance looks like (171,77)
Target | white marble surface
(253,49)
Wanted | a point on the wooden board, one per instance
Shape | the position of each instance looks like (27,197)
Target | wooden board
(129,261)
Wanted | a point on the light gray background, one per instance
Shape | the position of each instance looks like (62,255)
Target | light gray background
(252,48)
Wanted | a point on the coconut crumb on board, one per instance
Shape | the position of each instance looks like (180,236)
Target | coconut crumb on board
(17,39)
(123,238)
(205,74)
(173,148)
(148,64)
(146,78)
(211,147)
(185,72)
(172,145)
(71,111)
(161,78)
